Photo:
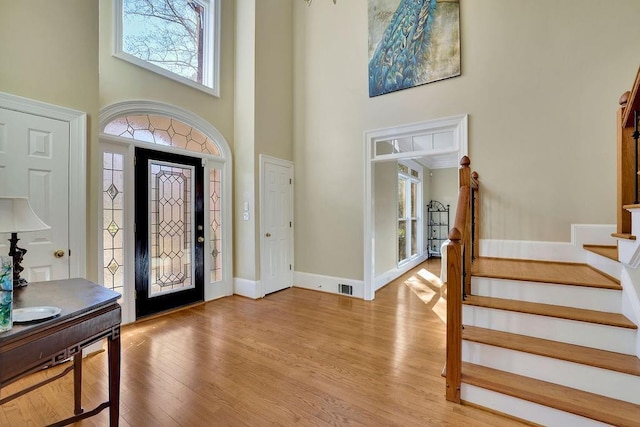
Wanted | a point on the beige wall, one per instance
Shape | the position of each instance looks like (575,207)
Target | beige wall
(264,113)
(385,175)
(50,54)
(540,81)
(244,185)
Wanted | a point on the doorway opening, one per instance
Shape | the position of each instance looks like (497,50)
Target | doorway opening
(435,144)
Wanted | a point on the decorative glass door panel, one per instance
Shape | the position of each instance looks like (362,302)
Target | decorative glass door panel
(171,227)
(169,231)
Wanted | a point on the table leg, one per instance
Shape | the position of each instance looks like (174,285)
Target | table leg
(113,349)
(77,383)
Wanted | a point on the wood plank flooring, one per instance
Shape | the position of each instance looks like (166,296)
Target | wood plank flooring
(295,357)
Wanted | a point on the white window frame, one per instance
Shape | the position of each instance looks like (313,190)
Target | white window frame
(409,178)
(211,55)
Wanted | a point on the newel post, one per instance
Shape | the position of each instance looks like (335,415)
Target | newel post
(465,180)
(454,316)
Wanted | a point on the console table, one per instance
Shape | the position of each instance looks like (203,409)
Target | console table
(90,312)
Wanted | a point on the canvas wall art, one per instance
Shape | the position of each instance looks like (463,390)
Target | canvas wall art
(412,42)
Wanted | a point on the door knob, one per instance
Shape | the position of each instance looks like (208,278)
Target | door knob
(268,234)
(59,253)
(200,239)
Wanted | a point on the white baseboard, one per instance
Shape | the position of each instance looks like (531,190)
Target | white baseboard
(329,284)
(394,273)
(247,288)
(593,234)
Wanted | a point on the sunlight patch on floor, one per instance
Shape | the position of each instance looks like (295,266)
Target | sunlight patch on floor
(428,287)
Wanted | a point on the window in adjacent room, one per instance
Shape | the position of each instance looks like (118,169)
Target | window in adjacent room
(179,39)
(409,218)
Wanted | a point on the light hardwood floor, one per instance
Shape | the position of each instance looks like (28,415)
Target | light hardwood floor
(295,357)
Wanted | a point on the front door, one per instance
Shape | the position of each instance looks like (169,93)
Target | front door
(169,230)
(34,163)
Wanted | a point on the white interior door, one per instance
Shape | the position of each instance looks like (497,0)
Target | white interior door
(276,257)
(34,162)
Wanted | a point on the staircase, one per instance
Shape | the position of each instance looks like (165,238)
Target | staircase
(546,342)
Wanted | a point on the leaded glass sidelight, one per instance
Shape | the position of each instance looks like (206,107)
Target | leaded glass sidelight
(113,220)
(171,227)
(215,221)
(162,130)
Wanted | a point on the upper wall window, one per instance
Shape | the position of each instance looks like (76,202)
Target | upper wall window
(179,39)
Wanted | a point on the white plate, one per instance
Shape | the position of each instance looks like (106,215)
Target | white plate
(29,314)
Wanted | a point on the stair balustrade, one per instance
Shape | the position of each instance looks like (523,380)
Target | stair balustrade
(462,249)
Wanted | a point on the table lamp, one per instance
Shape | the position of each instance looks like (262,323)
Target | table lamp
(17,216)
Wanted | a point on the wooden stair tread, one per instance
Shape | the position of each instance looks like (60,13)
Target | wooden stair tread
(626,236)
(609,251)
(562,312)
(563,273)
(558,350)
(589,405)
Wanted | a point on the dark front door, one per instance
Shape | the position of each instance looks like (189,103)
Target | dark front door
(169,214)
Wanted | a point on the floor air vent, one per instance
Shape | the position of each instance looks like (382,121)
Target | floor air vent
(345,289)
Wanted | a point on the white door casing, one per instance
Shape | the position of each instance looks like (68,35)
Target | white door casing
(42,157)
(34,157)
(410,141)
(276,224)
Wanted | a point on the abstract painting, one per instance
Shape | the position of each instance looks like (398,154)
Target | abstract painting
(412,42)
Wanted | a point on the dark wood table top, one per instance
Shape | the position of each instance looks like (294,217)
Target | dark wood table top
(75,297)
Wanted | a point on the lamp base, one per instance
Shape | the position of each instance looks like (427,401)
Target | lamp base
(17,254)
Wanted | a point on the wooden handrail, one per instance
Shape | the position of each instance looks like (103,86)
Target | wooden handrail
(461,250)
(627,156)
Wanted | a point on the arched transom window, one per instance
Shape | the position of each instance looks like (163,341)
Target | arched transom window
(162,130)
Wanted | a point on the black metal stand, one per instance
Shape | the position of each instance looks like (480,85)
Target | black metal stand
(437,227)
(17,254)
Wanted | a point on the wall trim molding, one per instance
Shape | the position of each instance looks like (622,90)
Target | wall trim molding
(594,234)
(383,279)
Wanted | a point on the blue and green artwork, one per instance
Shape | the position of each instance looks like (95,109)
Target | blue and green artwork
(412,42)
(6,293)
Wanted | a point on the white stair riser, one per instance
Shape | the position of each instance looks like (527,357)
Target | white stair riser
(544,293)
(620,340)
(615,385)
(523,409)
(604,264)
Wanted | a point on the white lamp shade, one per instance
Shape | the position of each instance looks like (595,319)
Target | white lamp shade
(17,216)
